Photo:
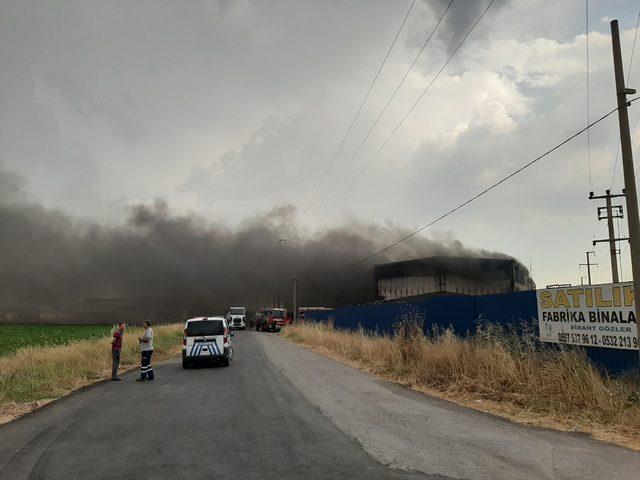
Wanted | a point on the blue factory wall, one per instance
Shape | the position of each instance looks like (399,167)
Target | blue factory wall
(462,313)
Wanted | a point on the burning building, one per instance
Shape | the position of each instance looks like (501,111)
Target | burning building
(451,275)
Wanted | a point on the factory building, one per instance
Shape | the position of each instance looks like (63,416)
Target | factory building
(451,275)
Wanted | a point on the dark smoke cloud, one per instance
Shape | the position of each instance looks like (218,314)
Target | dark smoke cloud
(50,259)
(461,15)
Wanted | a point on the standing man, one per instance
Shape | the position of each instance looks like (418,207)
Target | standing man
(116,347)
(146,349)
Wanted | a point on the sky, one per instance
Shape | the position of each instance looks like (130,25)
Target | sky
(228,110)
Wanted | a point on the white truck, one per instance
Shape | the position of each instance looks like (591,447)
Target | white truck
(237,318)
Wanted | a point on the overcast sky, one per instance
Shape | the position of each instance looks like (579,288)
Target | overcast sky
(228,109)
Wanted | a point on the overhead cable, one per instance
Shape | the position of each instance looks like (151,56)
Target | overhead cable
(355,118)
(488,189)
(420,97)
(382,112)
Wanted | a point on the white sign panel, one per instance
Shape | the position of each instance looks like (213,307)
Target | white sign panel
(589,315)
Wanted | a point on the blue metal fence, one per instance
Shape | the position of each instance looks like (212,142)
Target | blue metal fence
(462,314)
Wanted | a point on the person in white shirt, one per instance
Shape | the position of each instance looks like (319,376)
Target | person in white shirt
(146,350)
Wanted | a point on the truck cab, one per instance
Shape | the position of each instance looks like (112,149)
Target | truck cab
(237,318)
(271,319)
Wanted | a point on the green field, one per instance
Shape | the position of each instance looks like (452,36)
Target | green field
(13,337)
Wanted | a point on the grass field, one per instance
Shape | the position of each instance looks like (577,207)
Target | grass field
(14,337)
(44,372)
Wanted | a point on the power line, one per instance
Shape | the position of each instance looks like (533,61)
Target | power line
(382,112)
(355,118)
(488,189)
(433,80)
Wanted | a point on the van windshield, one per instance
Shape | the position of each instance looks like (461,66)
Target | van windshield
(205,327)
(236,311)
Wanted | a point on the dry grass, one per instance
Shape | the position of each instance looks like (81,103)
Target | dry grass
(35,373)
(495,371)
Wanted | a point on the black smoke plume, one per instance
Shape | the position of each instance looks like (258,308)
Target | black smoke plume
(460,17)
(49,259)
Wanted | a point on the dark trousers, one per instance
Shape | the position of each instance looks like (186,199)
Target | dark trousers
(146,371)
(115,356)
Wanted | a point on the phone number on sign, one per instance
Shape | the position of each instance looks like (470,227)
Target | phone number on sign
(591,339)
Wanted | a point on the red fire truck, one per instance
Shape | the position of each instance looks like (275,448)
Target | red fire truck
(271,319)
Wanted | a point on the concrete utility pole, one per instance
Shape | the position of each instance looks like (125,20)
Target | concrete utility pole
(627,166)
(588,265)
(281,243)
(295,295)
(609,216)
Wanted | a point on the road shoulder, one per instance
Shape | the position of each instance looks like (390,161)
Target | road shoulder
(412,431)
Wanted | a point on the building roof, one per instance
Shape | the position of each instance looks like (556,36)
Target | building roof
(469,267)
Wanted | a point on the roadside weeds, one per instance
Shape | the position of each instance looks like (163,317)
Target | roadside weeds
(33,376)
(493,371)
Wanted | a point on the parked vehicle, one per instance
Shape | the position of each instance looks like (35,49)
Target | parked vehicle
(271,319)
(206,339)
(237,318)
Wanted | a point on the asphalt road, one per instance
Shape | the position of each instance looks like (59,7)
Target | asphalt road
(408,430)
(283,412)
(246,421)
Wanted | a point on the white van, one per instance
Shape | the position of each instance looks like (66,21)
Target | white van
(206,338)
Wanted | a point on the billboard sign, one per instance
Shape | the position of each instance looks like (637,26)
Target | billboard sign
(589,315)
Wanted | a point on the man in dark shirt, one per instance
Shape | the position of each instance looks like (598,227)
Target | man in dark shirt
(116,347)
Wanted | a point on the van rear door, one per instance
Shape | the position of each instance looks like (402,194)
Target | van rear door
(205,338)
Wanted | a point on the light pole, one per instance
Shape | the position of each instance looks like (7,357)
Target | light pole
(295,295)
(281,244)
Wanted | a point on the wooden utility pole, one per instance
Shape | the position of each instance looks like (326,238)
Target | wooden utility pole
(627,165)
(588,265)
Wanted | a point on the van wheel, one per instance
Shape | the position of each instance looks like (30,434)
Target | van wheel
(185,363)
